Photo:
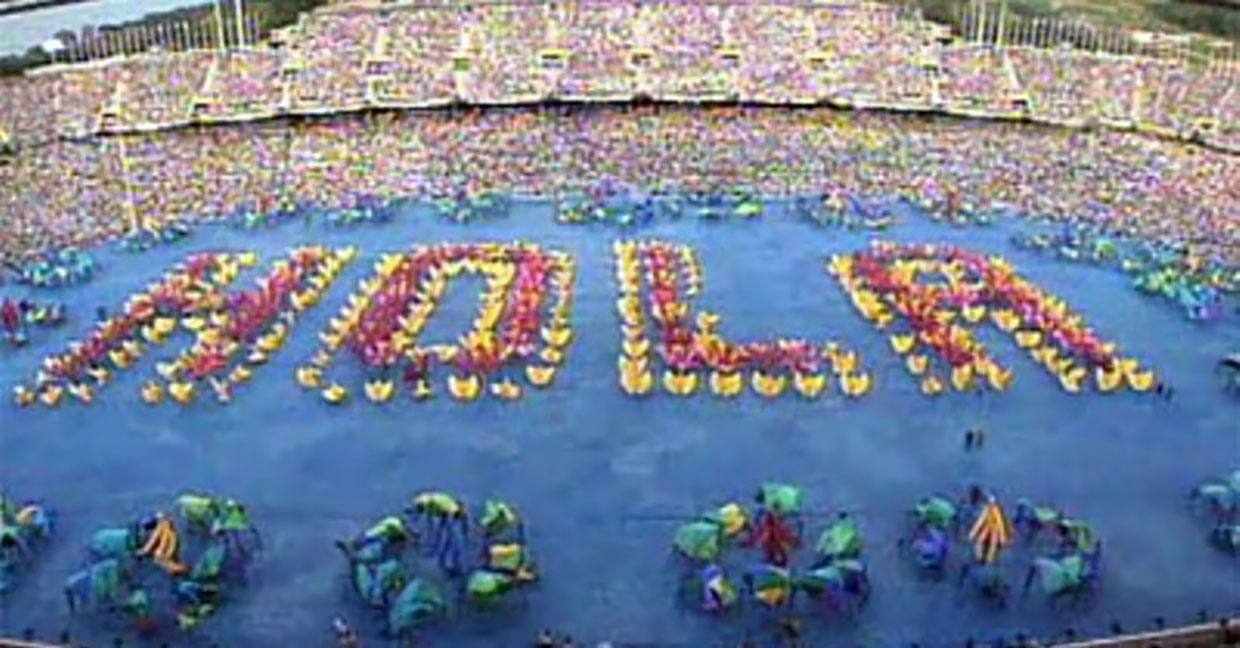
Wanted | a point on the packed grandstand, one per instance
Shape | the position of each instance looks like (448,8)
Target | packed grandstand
(96,147)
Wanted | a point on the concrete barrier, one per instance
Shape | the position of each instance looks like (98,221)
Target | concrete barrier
(1205,635)
(15,643)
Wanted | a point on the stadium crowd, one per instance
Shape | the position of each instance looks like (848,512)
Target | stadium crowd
(73,191)
(78,192)
(873,54)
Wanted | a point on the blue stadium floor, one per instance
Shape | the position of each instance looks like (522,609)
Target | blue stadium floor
(602,478)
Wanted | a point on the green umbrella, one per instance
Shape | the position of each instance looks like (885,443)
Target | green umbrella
(832,576)
(840,540)
(1062,575)
(211,562)
(390,529)
(1104,248)
(1082,534)
(748,207)
(498,516)
(105,580)
(138,604)
(375,582)
(935,511)
(418,602)
(437,503)
(199,510)
(485,586)
(233,517)
(9,534)
(817,581)
(698,540)
(781,499)
(730,517)
(114,542)
(771,585)
(509,557)
(1045,514)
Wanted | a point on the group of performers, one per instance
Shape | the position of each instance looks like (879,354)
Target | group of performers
(486,553)
(837,209)
(1194,283)
(626,206)
(18,315)
(950,205)
(608,202)
(364,209)
(440,526)
(467,203)
(234,331)
(1221,498)
(55,269)
(118,578)
(153,233)
(886,283)
(1067,556)
(836,578)
(23,527)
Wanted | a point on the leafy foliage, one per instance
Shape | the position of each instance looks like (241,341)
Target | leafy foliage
(1207,19)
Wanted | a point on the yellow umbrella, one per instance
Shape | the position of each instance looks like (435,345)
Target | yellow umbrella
(990,533)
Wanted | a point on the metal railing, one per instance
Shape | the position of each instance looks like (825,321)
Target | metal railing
(1203,635)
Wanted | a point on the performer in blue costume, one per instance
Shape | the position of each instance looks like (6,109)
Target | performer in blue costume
(447,526)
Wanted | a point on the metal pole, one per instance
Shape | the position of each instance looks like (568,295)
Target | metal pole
(981,21)
(133,210)
(240,23)
(1002,23)
(251,28)
(219,23)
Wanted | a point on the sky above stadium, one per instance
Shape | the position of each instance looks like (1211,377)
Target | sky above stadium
(20,32)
